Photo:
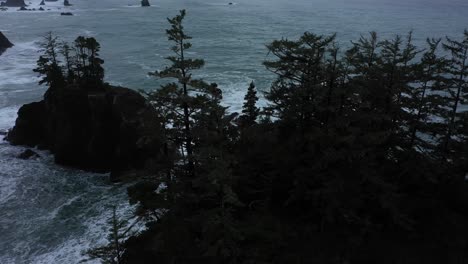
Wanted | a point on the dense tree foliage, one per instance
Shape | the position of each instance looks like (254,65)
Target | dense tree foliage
(360,155)
(62,64)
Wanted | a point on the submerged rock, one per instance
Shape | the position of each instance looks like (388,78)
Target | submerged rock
(66,14)
(27,154)
(13,3)
(114,129)
(145,3)
(4,43)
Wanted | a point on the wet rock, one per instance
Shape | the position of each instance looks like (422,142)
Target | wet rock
(4,43)
(145,3)
(66,14)
(27,154)
(13,3)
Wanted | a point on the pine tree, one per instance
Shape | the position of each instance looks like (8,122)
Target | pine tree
(250,111)
(179,96)
(297,94)
(88,64)
(112,252)
(458,89)
(48,64)
(66,52)
(424,99)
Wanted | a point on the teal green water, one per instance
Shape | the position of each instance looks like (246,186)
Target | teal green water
(49,214)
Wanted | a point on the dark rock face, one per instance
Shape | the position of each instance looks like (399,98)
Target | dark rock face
(42,3)
(145,3)
(28,128)
(27,154)
(66,3)
(13,3)
(4,43)
(114,129)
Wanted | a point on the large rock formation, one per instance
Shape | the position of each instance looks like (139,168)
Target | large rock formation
(114,129)
(4,43)
(145,3)
(13,3)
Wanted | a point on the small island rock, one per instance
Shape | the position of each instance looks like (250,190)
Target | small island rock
(115,129)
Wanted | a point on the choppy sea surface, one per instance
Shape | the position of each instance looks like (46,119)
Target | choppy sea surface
(51,214)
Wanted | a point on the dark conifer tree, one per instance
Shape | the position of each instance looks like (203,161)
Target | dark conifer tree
(118,232)
(88,64)
(250,111)
(180,104)
(424,100)
(48,64)
(66,52)
(458,88)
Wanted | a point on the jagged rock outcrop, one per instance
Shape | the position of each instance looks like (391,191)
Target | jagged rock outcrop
(42,3)
(13,3)
(114,129)
(145,3)
(4,43)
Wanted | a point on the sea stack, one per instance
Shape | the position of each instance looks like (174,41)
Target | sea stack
(4,43)
(145,3)
(13,3)
(113,129)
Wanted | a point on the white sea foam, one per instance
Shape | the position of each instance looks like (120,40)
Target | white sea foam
(7,117)
(17,64)
(51,214)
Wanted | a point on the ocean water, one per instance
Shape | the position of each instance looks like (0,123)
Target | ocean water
(50,214)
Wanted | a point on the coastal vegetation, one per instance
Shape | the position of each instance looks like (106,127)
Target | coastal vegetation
(360,156)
